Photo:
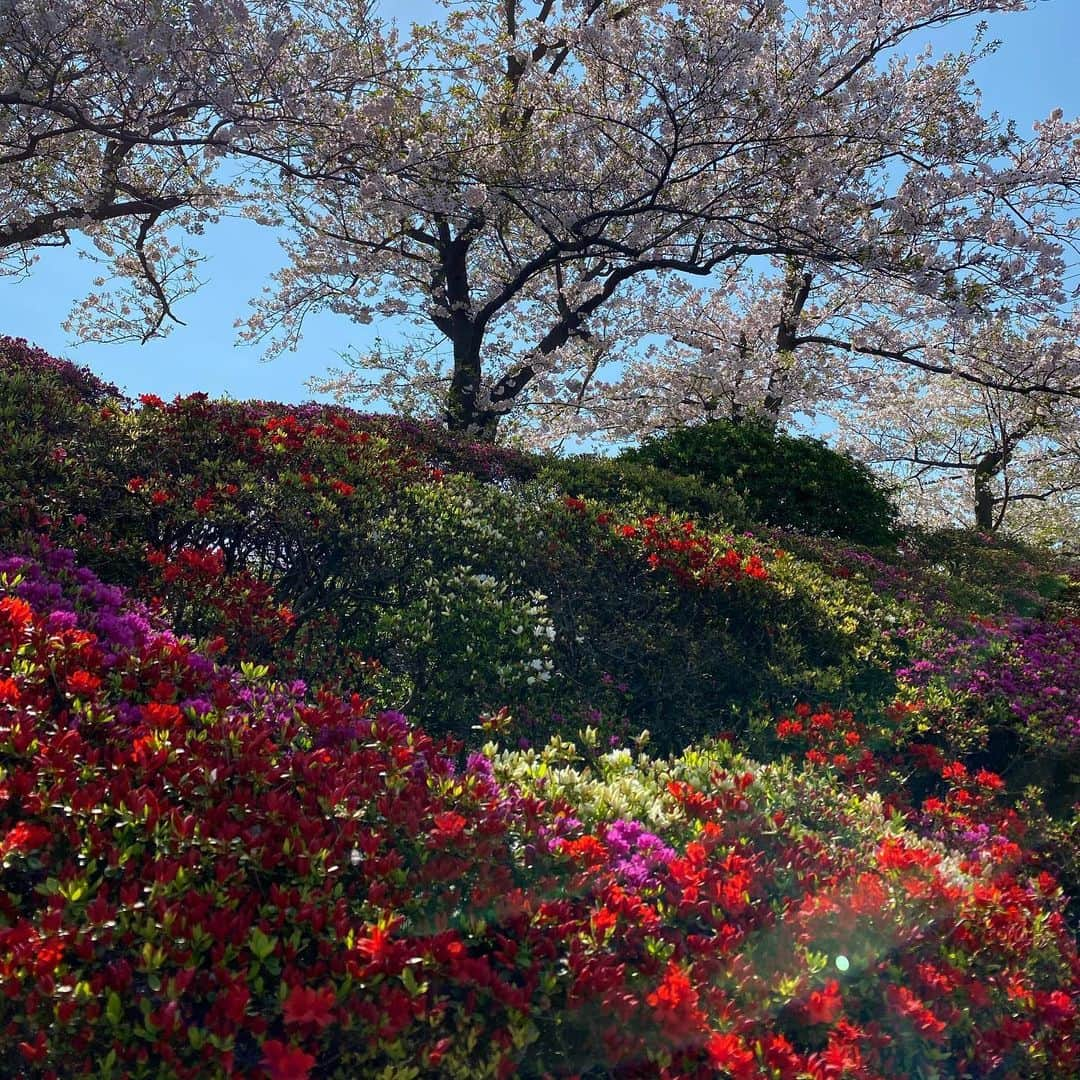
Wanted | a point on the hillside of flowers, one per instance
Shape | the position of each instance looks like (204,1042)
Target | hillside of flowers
(333,746)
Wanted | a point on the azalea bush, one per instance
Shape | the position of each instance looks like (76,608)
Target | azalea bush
(206,873)
(995,574)
(226,850)
(54,446)
(622,483)
(444,577)
(1011,691)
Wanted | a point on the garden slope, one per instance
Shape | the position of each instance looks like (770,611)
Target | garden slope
(210,868)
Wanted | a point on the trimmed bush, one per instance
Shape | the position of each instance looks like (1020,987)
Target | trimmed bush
(644,488)
(796,483)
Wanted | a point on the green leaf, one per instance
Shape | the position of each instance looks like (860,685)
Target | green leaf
(114,1008)
(260,944)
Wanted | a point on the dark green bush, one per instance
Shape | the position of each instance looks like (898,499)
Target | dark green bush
(639,486)
(55,439)
(440,577)
(793,482)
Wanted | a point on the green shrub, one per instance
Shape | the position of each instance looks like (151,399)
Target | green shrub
(996,573)
(56,440)
(794,482)
(639,486)
(426,575)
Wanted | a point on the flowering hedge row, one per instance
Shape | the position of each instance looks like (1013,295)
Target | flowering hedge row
(206,873)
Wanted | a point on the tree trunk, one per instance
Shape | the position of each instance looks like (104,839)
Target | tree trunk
(797,285)
(463,413)
(986,470)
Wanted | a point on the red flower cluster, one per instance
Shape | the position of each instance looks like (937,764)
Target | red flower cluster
(830,736)
(197,585)
(695,558)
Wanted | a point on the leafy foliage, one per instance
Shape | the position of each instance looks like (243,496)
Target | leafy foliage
(203,873)
(788,481)
(622,482)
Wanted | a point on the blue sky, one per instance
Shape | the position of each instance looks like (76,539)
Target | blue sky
(1033,72)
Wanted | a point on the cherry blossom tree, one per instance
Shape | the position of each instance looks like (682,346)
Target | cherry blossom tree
(115,116)
(796,340)
(537,166)
(732,352)
(971,454)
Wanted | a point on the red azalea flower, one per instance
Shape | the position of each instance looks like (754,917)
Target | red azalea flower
(894,854)
(82,682)
(307,1006)
(15,611)
(37,1050)
(755,568)
(448,827)
(954,770)
(603,921)
(438,1052)
(24,837)
(156,557)
(163,692)
(376,947)
(824,1005)
(675,1001)
(728,1052)
(590,850)
(911,1008)
(1056,1007)
(395,1012)
(780,1055)
(162,716)
(286,1062)
(234,1002)
(990,780)
(48,957)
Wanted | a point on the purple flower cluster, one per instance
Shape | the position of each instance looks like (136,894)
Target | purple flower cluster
(1026,669)
(1040,679)
(16,355)
(75,597)
(636,852)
